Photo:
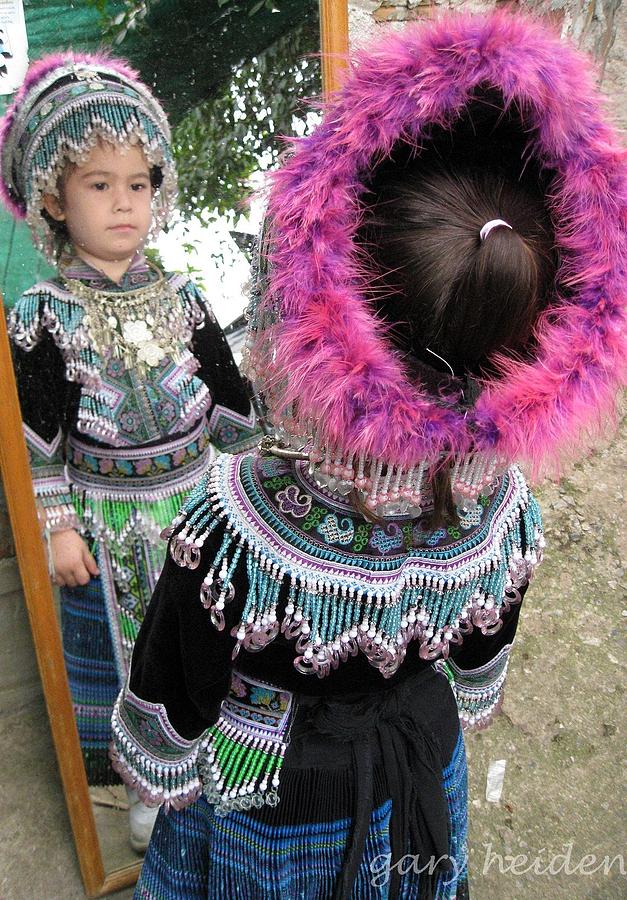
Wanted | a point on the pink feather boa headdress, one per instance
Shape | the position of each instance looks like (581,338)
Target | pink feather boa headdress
(318,355)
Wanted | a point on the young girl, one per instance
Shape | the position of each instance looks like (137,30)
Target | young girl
(126,382)
(443,297)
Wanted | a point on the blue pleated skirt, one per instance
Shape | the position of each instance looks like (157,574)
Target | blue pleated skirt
(197,855)
(92,675)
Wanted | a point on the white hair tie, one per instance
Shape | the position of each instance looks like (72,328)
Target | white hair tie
(493,223)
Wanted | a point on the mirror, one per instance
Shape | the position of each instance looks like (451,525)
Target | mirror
(247,64)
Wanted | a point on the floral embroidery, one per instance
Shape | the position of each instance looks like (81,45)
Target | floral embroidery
(313,518)
(227,435)
(114,368)
(256,701)
(335,532)
(262,697)
(129,421)
(166,410)
(291,502)
(143,466)
(124,467)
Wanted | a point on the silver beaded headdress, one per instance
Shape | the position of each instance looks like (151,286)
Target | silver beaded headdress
(69,102)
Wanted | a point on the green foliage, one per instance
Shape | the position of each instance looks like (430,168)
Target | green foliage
(116,26)
(234,130)
(132,17)
(221,142)
(255,7)
(152,255)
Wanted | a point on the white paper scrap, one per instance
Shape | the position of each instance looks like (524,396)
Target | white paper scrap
(494,784)
(13,46)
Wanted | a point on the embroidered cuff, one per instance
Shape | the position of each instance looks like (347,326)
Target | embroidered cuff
(479,692)
(58,513)
(150,756)
(55,503)
(242,755)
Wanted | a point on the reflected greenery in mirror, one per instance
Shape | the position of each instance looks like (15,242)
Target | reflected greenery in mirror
(232,77)
(250,70)
(239,129)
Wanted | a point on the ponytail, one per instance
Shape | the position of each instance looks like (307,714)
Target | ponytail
(448,290)
(442,289)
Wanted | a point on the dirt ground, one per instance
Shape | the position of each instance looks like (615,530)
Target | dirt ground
(559,829)
(561,808)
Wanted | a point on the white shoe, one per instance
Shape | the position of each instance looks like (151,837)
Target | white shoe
(141,820)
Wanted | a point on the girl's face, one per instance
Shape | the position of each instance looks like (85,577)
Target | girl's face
(106,206)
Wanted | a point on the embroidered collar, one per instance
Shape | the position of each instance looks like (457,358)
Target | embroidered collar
(351,586)
(138,274)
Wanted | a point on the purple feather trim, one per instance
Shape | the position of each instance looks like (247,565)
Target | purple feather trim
(332,362)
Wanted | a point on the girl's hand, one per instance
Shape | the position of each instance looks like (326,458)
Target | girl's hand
(72,562)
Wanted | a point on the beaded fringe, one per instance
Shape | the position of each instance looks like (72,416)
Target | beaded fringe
(384,488)
(238,760)
(120,521)
(49,307)
(169,774)
(478,692)
(241,767)
(332,620)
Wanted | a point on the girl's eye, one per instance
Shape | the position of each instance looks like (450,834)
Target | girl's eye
(139,186)
(100,185)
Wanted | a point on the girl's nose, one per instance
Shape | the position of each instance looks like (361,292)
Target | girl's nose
(122,200)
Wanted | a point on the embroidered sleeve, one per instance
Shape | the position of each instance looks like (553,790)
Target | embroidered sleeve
(478,668)
(50,483)
(479,692)
(232,418)
(43,394)
(180,675)
(150,756)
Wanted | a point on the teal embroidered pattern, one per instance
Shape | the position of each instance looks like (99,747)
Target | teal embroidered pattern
(352,586)
(336,532)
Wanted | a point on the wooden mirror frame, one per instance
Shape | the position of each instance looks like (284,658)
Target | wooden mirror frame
(33,564)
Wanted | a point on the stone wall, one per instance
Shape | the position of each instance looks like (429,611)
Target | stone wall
(592,24)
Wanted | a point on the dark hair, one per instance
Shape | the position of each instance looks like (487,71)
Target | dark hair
(451,292)
(440,288)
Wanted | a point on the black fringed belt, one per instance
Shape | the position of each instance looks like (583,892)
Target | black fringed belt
(381,726)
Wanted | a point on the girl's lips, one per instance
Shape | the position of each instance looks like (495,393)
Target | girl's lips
(122,228)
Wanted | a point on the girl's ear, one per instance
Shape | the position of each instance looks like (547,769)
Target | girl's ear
(53,207)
